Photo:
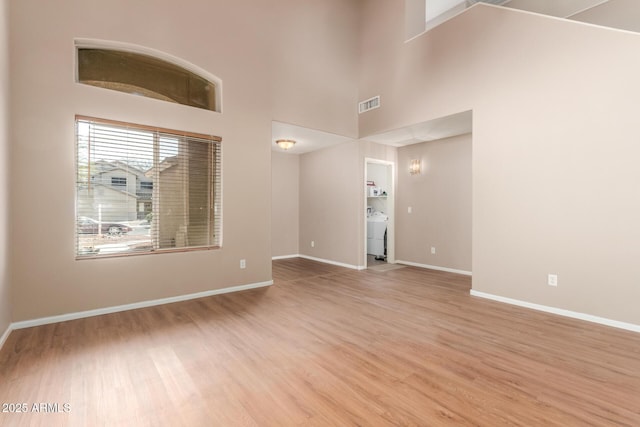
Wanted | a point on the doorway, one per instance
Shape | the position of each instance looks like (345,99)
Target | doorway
(379,202)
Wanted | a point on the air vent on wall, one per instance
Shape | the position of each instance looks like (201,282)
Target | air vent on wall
(369,104)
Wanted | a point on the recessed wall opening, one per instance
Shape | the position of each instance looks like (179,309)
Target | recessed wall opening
(429,219)
(142,72)
(379,212)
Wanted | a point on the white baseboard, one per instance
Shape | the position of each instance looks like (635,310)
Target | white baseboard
(328,261)
(559,311)
(434,267)
(4,336)
(285,257)
(133,306)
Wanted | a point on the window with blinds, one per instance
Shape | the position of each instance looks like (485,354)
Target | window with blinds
(141,189)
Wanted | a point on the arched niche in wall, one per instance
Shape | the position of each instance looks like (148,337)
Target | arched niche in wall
(146,72)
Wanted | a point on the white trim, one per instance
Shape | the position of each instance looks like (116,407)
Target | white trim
(558,311)
(4,336)
(273,258)
(133,306)
(328,261)
(434,267)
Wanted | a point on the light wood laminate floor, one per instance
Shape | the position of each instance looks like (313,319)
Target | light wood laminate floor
(327,346)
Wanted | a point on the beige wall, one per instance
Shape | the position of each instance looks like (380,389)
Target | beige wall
(237,41)
(330,203)
(440,199)
(414,17)
(554,145)
(316,55)
(554,173)
(332,206)
(285,213)
(5,295)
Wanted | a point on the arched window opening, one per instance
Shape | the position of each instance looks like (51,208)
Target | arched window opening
(145,75)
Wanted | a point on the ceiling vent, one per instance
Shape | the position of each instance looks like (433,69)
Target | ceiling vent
(369,104)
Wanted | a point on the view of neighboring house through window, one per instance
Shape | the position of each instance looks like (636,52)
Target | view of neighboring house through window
(118,182)
(141,189)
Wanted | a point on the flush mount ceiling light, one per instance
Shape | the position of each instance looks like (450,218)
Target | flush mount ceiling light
(285,144)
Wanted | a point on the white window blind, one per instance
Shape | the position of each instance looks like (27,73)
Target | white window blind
(142,189)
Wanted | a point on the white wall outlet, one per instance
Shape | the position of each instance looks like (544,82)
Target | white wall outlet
(433,250)
(552,280)
(243,263)
(313,244)
(409,210)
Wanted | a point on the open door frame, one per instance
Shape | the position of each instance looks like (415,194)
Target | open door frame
(391,200)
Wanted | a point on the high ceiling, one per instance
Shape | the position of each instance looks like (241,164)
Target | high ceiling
(443,127)
(310,140)
(558,8)
(306,139)
(619,14)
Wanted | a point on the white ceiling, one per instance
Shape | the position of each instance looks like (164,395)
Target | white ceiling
(443,127)
(306,139)
(558,8)
(611,13)
(620,14)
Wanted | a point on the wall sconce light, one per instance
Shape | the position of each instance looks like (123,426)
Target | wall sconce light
(414,167)
(285,144)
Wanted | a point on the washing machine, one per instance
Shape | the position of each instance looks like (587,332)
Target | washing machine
(376,228)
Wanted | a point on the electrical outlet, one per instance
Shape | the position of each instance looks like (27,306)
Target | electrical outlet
(313,244)
(552,280)
(243,263)
(409,210)
(433,250)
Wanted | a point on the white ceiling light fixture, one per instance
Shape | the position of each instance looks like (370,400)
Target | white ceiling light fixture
(285,144)
(307,140)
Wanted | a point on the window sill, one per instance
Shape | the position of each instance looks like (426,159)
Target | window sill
(159,251)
